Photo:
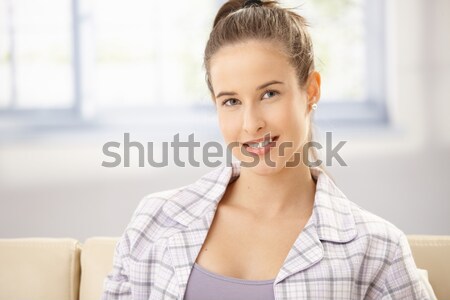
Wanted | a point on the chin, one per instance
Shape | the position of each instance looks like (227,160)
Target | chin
(263,168)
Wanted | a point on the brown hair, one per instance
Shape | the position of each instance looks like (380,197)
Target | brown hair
(237,21)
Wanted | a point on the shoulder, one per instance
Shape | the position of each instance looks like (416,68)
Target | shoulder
(370,225)
(150,205)
(365,235)
(148,221)
(159,215)
(343,221)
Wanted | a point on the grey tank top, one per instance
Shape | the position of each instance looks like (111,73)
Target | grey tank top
(205,285)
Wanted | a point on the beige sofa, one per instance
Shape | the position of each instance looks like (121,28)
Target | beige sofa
(43,268)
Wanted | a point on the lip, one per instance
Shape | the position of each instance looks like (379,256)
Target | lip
(260,151)
(275,138)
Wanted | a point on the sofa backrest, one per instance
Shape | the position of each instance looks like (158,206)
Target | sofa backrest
(39,268)
(431,253)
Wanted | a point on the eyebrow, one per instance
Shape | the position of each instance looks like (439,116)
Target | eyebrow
(258,88)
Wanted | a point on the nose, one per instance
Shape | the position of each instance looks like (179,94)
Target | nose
(253,121)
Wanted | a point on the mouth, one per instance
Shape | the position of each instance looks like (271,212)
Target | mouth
(260,145)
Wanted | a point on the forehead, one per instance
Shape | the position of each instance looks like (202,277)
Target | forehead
(249,63)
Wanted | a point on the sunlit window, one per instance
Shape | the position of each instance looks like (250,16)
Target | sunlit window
(338,30)
(145,54)
(150,52)
(35,54)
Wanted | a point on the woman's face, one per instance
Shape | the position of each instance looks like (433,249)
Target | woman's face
(256,93)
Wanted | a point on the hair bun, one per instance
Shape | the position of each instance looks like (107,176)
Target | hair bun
(252,2)
(234,5)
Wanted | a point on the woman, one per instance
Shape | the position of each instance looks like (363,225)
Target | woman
(270,226)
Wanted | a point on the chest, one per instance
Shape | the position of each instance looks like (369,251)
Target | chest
(244,247)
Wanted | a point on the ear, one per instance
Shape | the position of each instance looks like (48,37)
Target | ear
(313,88)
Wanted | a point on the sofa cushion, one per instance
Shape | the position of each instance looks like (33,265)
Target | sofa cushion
(30,266)
(96,263)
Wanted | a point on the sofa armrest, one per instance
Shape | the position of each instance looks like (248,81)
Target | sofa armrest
(30,266)
(432,253)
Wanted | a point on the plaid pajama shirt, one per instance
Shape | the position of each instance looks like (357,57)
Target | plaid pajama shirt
(343,252)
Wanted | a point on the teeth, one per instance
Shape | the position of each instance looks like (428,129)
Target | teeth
(260,145)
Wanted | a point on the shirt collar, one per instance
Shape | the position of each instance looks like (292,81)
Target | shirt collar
(332,211)
(332,214)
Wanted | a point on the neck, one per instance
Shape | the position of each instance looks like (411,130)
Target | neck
(282,193)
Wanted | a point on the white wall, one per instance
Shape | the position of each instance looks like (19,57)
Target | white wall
(54,186)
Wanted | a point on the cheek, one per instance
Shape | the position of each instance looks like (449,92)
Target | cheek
(291,120)
(288,116)
(229,127)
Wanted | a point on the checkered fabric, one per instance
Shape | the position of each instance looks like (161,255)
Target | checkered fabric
(343,252)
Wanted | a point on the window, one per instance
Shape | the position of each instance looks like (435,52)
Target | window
(348,37)
(100,57)
(35,54)
(153,55)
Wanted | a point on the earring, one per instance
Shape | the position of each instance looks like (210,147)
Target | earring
(314,106)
